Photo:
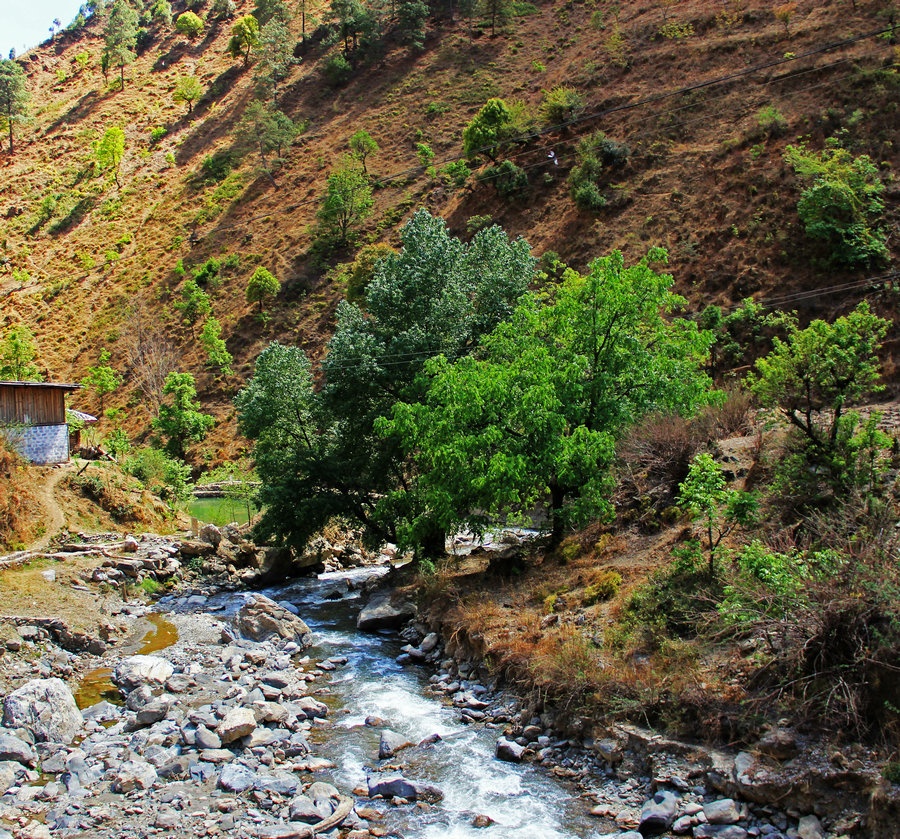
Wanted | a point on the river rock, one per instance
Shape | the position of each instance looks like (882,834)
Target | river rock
(391,743)
(509,750)
(810,828)
(261,618)
(137,670)
(778,743)
(396,786)
(304,809)
(152,712)
(46,708)
(719,831)
(658,814)
(211,534)
(14,748)
(134,774)
(385,611)
(238,722)
(237,778)
(206,739)
(723,811)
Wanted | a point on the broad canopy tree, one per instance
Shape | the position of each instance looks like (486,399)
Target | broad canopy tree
(318,452)
(533,416)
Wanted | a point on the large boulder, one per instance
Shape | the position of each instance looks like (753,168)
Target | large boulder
(137,670)
(385,611)
(46,708)
(261,618)
(391,786)
(658,814)
(14,748)
(238,722)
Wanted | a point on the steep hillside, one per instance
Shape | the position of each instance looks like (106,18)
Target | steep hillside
(89,265)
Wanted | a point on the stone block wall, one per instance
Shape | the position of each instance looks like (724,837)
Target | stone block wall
(40,443)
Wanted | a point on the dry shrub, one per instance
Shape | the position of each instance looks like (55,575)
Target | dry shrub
(19,509)
(732,418)
(655,456)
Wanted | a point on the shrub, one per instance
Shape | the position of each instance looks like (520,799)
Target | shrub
(508,179)
(594,154)
(458,172)
(771,121)
(216,167)
(561,104)
(208,272)
(604,587)
(337,70)
(157,133)
(165,476)
(843,206)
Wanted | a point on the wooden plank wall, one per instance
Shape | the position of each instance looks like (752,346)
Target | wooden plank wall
(32,405)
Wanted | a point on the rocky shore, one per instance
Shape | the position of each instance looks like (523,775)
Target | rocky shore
(216,733)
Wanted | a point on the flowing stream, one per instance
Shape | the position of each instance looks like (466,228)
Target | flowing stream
(522,800)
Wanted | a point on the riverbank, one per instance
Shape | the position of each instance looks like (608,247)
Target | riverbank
(234,724)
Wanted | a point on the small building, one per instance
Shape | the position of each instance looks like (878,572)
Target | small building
(33,419)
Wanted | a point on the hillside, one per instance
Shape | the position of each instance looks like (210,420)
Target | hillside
(89,265)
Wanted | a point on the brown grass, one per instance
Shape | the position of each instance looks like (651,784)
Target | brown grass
(20,520)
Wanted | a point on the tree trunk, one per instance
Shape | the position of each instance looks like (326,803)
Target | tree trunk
(557,496)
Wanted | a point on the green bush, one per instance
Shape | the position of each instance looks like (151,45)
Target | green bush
(208,272)
(594,155)
(165,476)
(157,133)
(508,179)
(561,104)
(604,587)
(458,172)
(216,167)
(337,69)
(843,206)
(771,121)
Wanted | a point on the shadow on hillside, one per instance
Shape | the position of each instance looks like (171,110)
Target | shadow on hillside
(78,111)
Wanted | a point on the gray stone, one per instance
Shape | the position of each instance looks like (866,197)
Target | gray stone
(138,698)
(311,707)
(206,739)
(304,809)
(509,750)
(211,534)
(137,670)
(14,748)
(810,828)
(46,708)
(217,755)
(723,811)
(719,831)
(385,611)
(152,712)
(260,619)
(391,743)
(236,777)
(134,774)
(283,783)
(658,813)
(682,825)
(238,722)
(396,786)
(429,642)
(779,744)
(609,750)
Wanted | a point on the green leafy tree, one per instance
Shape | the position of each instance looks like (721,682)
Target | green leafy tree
(813,377)
(268,10)
(120,35)
(17,354)
(103,379)
(362,145)
(180,418)
(190,25)
(705,495)
(161,10)
(193,304)
(497,11)
(244,38)
(261,286)
(323,456)
(265,130)
(167,477)
(274,57)
(216,350)
(843,206)
(533,417)
(109,151)
(353,20)
(188,90)
(492,125)
(412,15)
(347,202)
(13,96)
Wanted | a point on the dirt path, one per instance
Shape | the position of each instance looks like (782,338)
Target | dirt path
(55,518)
